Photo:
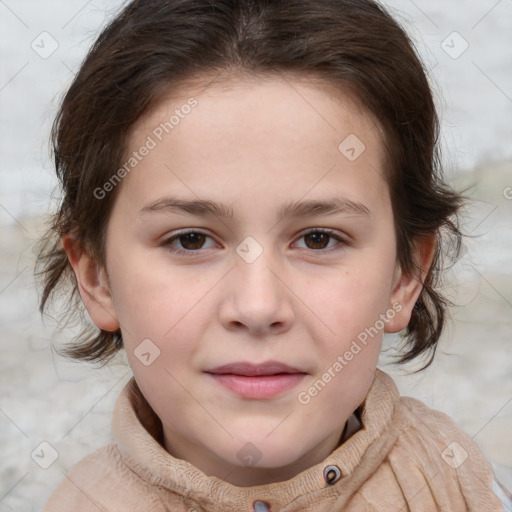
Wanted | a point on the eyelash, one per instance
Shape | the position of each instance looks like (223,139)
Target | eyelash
(167,243)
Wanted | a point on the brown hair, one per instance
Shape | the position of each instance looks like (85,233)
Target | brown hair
(153,46)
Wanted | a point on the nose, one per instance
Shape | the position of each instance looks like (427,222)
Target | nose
(257,299)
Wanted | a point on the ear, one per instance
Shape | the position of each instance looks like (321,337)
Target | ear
(407,288)
(93,285)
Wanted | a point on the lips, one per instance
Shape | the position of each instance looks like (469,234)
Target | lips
(252,370)
(257,381)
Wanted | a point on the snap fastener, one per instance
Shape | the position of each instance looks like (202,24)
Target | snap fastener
(332,474)
(261,506)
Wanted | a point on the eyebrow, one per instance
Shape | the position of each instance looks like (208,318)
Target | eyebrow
(204,208)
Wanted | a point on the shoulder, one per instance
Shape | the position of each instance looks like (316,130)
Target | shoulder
(451,463)
(446,443)
(433,424)
(103,482)
(422,425)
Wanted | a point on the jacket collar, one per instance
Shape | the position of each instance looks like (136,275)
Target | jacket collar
(137,432)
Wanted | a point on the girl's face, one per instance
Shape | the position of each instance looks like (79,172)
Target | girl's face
(290,260)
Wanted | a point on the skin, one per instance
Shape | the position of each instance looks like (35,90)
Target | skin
(253,144)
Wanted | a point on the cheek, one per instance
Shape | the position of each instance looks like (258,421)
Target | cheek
(162,313)
(352,300)
(151,301)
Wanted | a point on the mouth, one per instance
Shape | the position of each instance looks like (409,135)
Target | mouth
(257,381)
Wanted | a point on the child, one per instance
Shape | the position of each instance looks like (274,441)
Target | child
(252,198)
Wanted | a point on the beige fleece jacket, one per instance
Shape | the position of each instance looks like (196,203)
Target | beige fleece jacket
(405,457)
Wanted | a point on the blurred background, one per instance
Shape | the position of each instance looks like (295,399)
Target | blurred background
(54,412)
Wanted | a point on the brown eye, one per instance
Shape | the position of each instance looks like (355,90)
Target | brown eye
(192,241)
(318,240)
(187,242)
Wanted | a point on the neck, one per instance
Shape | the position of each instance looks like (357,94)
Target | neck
(242,476)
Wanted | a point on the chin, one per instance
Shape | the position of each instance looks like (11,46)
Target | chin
(264,453)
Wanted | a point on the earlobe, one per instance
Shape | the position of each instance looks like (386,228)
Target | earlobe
(407,288)
(93,285)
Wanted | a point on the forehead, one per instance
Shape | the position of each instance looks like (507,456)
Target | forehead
(254,131)
(253,101)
